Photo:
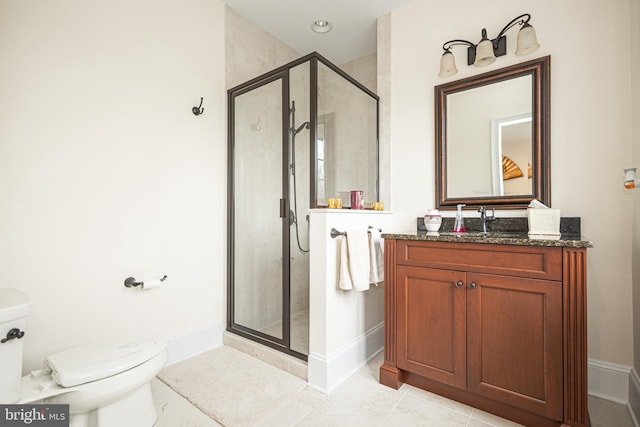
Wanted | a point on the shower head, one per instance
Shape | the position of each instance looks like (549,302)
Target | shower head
(305,125)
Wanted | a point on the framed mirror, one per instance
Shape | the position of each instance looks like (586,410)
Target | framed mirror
(492,138)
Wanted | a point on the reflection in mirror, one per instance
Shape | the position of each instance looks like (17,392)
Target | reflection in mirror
(492,138)
(511,153)
(472,115)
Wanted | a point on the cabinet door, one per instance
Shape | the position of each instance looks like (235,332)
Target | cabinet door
(514,338)
(431,318)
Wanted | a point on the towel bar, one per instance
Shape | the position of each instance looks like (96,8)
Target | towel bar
(335,233)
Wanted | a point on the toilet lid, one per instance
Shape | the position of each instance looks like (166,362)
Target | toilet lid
(100,360)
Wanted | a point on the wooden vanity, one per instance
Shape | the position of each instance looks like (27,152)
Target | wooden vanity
(496,323)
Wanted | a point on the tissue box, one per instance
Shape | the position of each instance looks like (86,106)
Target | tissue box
(544,221)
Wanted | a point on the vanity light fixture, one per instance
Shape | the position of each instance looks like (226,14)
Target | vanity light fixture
(321,26)
(486,51)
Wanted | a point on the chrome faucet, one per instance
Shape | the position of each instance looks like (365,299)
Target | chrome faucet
(484,218)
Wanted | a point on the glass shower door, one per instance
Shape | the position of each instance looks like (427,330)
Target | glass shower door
(258,218)
(297,135)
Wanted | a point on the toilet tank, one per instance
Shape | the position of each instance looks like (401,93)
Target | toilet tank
(14,308)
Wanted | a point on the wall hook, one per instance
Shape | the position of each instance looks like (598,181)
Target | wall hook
(198,110)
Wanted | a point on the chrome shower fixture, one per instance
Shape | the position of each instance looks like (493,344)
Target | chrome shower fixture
(304,125)
(293,218)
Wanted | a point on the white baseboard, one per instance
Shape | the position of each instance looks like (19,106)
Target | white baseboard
(634,397)
(609,381)
(194,343)
(325,373)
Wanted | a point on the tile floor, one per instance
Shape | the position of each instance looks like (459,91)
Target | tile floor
(299,331)
(362,401)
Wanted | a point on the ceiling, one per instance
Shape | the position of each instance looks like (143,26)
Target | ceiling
(354,24)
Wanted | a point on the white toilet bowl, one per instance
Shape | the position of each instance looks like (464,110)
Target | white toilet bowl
(105,384)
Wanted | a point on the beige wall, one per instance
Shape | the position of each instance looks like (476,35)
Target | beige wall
(251,51)
(105,172)
(591,130)
(635,110)
(383,89)
(364,70)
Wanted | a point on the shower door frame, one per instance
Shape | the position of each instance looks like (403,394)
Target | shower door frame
(282,73)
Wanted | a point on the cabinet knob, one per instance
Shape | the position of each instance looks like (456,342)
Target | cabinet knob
(472,285)
(458,284)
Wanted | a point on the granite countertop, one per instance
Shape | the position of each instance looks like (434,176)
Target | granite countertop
(496,238)
(503,231)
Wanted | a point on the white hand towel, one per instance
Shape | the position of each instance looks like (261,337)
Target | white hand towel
(358,249)
(345,277)
(376,256)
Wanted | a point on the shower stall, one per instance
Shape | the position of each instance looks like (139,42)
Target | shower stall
(297,135)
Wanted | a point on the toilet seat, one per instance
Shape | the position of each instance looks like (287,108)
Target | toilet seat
(100,361)
(92,362)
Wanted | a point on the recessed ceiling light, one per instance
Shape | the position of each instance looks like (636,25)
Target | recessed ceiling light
(321,26)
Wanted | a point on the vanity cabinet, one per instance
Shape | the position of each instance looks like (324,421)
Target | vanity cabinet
(498,327)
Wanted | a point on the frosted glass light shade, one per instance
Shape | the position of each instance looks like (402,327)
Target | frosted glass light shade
(484,53)
(447,65)
(527,41)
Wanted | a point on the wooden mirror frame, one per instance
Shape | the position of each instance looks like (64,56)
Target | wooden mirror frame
(540,72)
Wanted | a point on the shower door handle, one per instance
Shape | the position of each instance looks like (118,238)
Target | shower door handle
(283,208)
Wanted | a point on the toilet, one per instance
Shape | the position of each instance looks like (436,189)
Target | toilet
(104,383)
